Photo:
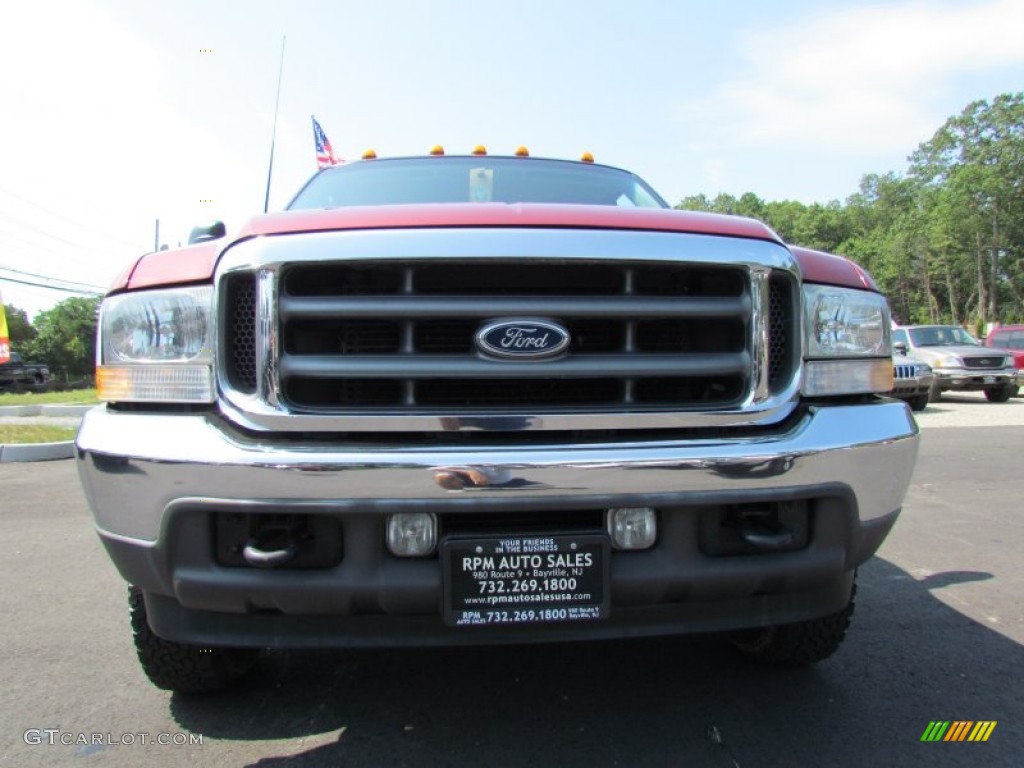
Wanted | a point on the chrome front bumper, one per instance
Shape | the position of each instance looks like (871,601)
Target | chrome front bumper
(137,468)
(157,483)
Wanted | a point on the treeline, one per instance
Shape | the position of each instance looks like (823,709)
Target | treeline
(63,337)
(944,239)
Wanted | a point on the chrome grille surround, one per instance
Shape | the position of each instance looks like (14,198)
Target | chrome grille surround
(379,337)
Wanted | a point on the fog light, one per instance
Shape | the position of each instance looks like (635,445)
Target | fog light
(632,527)
(412,534)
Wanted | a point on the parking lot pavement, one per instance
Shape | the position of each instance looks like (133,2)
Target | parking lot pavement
(971,409)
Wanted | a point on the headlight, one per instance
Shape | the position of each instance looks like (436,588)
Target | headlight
(157,346)
(848,345)
(948,361)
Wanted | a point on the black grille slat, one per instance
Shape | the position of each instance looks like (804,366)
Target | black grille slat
(488,393)
(401,335)
(349,337)
(581,366)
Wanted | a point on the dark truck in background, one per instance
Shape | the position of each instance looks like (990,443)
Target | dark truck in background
(479,400)
(17,374)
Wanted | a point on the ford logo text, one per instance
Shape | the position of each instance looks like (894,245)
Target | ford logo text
(523,339)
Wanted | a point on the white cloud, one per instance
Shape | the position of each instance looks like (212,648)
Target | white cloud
(862,79)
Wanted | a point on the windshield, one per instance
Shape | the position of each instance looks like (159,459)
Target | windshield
(942,336)
(1009,340)
(474,180)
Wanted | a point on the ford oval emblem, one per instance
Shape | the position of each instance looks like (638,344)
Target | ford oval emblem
(522,339)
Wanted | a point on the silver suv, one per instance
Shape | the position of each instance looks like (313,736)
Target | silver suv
(959,361)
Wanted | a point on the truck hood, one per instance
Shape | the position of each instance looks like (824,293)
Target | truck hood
(196,264)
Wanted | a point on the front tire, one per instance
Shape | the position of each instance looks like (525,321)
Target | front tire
(919,402)
(1000,394)
(799,644)
(184,668)
(935,393)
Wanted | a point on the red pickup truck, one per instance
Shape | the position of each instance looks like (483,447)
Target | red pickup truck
(464,400)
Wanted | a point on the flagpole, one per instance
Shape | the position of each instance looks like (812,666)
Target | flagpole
(273,135)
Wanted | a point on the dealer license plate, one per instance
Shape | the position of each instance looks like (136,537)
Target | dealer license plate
(525,579)
(990,379)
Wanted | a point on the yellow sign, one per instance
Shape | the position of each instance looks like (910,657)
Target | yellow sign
(5,339)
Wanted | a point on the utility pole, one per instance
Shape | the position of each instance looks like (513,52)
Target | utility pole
(273,135)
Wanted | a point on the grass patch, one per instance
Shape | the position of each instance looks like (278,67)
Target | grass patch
(35,433)
(71,397)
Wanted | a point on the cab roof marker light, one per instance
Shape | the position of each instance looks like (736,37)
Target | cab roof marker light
(437,150)
(369,155)
(586,157)
(479,149)
(522,151)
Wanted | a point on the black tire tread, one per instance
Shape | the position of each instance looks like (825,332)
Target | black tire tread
(799,644)
(184,668)
(1000,394)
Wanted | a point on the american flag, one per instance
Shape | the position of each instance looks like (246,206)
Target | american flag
(324,153)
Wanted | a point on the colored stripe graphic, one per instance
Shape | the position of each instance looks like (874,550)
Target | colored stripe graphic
(982,730)
(958,730)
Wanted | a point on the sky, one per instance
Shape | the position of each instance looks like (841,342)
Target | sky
(115,114)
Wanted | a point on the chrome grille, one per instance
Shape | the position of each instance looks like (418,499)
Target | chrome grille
(399,335)
(904,371)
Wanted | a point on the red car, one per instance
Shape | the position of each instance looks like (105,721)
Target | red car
(1010,338)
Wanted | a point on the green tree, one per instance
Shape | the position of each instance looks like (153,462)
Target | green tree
(19,328)
(66,339)
(945,242)
(977,157)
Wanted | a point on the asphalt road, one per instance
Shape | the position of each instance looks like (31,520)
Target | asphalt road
(937,635)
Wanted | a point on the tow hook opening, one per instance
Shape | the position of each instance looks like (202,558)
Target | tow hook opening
(264,540)
(755,529)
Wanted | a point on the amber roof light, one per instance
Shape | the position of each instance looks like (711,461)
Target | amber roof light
(369,155)
(586,157)
(437,149)
(522,152)
(479,149)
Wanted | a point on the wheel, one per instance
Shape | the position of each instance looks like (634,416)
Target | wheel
(799,644)
(1000,394)
(919,402)
(935,393)
(184,668)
